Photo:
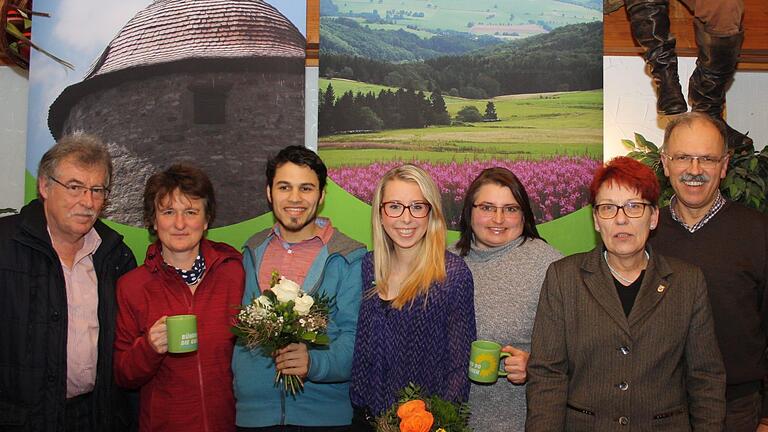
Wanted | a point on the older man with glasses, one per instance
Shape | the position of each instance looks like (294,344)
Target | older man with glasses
(729,242)
(58,269)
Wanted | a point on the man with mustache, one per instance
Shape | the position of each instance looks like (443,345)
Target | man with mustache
(730,243)
(58,268)
(306,249)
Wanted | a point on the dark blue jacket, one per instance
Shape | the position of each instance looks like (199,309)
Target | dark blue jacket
(33,326)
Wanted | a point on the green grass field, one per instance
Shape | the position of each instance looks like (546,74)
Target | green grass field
(488,16)
(531,127)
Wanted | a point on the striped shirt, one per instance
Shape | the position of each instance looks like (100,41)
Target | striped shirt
(293,260)
(82,317)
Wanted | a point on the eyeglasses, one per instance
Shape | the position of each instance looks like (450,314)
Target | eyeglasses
(395,209)
(685,160)
(630,209)
(76,190)
(488,210)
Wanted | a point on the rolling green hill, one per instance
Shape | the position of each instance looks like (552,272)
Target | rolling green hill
(566,59)
(348,37)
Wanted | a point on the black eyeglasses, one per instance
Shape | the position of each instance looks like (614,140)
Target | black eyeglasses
(632,209)
(76,190)
(395,209)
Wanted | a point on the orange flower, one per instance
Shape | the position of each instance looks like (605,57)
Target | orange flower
(420,421)
(411,407)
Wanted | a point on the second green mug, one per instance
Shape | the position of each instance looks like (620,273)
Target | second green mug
(485,362)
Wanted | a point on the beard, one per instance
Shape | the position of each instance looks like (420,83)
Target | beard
(294,223)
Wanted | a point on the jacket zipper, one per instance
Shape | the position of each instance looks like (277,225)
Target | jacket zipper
(190,308)
(282,405)
(312,293)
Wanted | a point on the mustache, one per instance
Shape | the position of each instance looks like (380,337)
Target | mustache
(704,178)
(88,213)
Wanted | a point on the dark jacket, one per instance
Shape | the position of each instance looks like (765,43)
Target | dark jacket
(180,392)
(592,368)
(33,326)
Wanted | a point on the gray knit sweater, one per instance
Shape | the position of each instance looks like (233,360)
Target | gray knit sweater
(508,280)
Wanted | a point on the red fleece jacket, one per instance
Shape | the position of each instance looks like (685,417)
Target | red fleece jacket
(180,392)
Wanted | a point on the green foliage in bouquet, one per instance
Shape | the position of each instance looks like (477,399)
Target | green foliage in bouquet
(280,316)
(283,326)
(746,180)
(445,416)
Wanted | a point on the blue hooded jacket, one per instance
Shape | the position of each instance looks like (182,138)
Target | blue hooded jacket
(336,273)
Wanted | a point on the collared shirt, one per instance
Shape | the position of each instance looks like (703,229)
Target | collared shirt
(719,202)
(293,260)
(82,317)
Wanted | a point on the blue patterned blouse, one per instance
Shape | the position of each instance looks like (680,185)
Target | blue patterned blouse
(424,344)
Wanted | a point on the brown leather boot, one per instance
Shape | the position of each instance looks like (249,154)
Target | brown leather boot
(650,26)
(715,67)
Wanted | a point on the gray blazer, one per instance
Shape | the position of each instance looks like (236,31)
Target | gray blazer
(592,368)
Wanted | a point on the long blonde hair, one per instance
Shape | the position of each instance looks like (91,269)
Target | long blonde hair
(429,265)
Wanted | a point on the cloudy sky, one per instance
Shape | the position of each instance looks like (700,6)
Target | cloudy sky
(77,32)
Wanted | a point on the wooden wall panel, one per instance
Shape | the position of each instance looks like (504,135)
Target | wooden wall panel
(754,54)
(313,33)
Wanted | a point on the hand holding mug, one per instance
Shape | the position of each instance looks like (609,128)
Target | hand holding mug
(181,333)
(158,336)
(484,362)
(516,364)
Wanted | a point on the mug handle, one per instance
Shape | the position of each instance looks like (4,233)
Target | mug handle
(502,372)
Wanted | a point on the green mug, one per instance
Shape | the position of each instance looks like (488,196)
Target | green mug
(182,333)
(485,362)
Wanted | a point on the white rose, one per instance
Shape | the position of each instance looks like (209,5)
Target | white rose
(286,290)
(303,304)
(263,302)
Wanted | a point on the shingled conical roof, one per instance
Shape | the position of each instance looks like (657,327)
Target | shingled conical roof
(172,30)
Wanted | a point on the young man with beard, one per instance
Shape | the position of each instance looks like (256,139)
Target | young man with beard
(729,242)
(58,269)
(306,249)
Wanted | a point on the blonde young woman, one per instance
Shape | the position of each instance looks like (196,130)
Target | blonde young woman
(417,317)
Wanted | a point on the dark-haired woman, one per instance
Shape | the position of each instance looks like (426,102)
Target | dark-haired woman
(624,337)
(183,273)
(508,260)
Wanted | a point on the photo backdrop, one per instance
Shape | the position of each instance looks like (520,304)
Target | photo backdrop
(220,83)
(456,87)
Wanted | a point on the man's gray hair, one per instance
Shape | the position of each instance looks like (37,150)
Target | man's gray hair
(84,149)
(687,119)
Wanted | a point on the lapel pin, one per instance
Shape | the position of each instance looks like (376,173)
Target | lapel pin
(661,288)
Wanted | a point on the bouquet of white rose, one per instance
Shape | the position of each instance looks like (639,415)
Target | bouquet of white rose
(282,315)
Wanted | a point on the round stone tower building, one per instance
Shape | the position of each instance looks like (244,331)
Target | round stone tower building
(216,83)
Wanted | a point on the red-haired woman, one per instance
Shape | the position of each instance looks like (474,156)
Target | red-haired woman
(624,336)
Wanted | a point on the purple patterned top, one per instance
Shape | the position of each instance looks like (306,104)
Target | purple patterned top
(428,346)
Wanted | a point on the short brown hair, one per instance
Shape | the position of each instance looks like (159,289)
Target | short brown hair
(84,149)
(189,180)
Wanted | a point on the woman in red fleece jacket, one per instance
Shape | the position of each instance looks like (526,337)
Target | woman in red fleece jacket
(183,273)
